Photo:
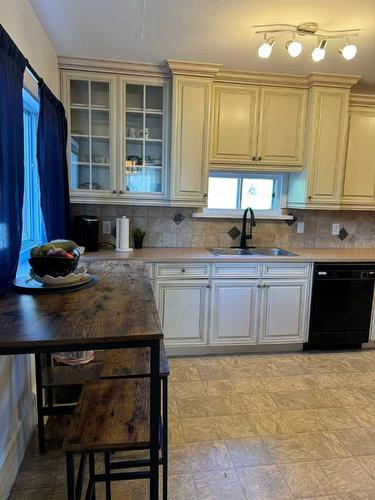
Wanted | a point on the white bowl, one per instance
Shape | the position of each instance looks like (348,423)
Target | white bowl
(78,276)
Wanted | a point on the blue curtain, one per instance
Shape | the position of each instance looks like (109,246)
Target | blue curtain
(12,67)
(52,164)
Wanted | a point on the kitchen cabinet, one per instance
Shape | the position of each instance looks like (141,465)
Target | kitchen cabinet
(189,149)
(257,128)
(359,178)
(234,311)
(319,186)
(283,311)
(183,311)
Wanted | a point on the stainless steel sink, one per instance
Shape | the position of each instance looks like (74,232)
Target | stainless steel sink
(265,251)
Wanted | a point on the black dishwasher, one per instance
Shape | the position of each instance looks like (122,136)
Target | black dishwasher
(341,305)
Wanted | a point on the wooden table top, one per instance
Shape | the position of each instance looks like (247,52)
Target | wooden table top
(120,308)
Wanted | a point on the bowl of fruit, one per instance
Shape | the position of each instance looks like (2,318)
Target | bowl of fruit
(56,258)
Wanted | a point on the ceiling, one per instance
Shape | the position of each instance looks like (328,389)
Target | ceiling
(217,31)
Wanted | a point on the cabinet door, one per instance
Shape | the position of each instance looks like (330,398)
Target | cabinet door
(359,180)
(234,312)
(234,124)
(327,132)
(182,306)
(282,126)
(89,100)
(189,155)
(284,310)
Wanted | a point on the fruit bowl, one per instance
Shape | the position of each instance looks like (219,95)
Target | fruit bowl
(53,266)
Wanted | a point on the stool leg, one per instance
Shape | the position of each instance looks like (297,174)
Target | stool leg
(165,438)
(107,471)
(39,403)
(92,476)
(155,405)
(70,475)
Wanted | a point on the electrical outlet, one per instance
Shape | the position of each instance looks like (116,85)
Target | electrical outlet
(335,229)
(107,227)
(300,227)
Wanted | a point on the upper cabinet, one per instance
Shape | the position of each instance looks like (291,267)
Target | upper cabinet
(257,128)
(359,178)
(319,186)
(91,117)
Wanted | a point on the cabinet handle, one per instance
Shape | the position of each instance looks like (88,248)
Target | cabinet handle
(254,158)
(259,286)
(309,197)
(183,270)
(114,192)
(208,286)
(205,195)
(121,192)
(259,158)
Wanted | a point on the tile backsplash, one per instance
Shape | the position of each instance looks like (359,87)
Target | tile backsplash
(162,231)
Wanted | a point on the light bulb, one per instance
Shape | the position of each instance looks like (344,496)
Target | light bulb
(319,53)
(348,52)
(264,51)
(294,48)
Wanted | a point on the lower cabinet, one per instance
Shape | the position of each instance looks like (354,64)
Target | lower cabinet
(183,310)
(234,308)
(283,311)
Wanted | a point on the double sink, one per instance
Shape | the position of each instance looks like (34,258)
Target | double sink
(256,252)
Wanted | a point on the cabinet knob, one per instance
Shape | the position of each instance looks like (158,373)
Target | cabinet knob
(205,195)
(208,286)
(183,270)
(309,197)
(254,158)
(259,158)
(121,191)
(114,192)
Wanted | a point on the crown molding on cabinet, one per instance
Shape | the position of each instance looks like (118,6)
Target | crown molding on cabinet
(192,68)
(255,78)
(113,66)
(364,100)
(331,80)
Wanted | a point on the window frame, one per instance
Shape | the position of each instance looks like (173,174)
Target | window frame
(278,202)
(31,200)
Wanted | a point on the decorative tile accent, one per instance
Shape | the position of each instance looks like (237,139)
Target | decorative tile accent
(234,232)
(177,218)
(343,234)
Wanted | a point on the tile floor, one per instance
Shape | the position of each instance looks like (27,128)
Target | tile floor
(270,427)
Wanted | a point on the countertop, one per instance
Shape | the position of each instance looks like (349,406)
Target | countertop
(204,255)
(120,308)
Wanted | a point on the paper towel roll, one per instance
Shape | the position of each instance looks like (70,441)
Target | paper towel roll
(122,235)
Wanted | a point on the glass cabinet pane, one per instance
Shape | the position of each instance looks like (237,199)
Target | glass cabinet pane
(100,177)
(100,94)
(80,149)
(154,97)
(100,150)
(134,125)
(100,123)
(80,124)
(134,96)
(80,176)
(146,180)
(153,153)
(134,152)
(79,92)
(154,126)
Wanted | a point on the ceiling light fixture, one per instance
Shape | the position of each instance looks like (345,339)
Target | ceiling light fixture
(349,51)
(293,47)
(310,29)
(264,50)
(319,53)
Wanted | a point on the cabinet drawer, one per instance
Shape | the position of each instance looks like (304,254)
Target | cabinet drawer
(182,270)
(286,270)
(235,270)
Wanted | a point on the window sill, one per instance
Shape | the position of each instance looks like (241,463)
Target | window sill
(239,215)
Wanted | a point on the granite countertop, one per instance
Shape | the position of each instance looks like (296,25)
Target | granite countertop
(204,255)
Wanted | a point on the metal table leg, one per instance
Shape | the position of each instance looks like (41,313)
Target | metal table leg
(165,438)
(39,403)
(154,419)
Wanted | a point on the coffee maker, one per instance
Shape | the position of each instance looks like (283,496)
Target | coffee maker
(86,232)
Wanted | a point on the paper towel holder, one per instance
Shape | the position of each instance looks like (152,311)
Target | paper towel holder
(124,237)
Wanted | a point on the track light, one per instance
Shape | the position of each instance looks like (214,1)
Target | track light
(319,53)
(293,47)
(264,50)
(349,51)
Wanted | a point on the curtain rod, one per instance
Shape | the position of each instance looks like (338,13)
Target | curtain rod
(33,72)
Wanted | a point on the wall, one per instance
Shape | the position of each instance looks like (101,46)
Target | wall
(193,232)
(17,403)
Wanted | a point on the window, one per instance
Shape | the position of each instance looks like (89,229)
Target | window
(230,193)
(32,219)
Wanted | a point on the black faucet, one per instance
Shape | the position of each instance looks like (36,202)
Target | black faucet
(244,236)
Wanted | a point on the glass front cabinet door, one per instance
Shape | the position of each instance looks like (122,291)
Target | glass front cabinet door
(91,144)
(143,146)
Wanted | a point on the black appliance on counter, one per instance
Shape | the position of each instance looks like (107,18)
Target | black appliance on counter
(86,232)
(341,306)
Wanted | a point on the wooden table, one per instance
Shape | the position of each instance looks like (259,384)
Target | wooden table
(119,312)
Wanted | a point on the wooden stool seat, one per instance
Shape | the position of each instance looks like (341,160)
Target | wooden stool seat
(127,363)
(111,415)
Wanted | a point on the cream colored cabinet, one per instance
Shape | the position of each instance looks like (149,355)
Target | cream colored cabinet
(283,311)
(183,311)
(359,178)
(319,185)
(189,152)
(258,126)
(281,126)
(234,124)
(234,312)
